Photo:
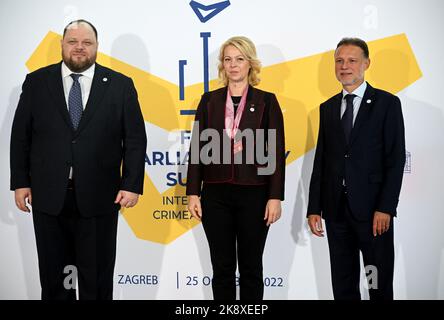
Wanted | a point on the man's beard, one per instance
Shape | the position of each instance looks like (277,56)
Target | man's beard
(79,65)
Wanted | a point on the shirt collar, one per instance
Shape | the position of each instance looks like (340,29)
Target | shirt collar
(359,91)
(89,73)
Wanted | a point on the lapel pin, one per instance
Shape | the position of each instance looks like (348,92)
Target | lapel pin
(369,101)
(105,79)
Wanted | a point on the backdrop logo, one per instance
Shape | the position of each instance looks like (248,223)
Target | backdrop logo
(209,10)
(408,162)
(300,85)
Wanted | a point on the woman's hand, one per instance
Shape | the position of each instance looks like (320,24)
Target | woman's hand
(194,207)
(272,211)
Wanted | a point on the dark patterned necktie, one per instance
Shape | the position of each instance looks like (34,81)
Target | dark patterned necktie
(347,117)
(75,104)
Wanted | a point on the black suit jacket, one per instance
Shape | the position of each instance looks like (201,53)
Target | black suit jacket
(372,164)
(262,111)
(44,144)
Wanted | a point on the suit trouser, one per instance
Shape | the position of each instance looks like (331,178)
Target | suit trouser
(69,240)
(233,220)
(346,238)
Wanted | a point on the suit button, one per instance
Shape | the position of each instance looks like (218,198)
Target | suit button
(347,156)
(74,141)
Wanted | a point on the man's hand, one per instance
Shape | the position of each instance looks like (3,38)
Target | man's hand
(126,199)
(381,223)
(194,207)
(315,224)
(23,198)
(272,211)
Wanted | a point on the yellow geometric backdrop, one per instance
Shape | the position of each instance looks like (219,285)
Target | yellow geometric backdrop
(300,86)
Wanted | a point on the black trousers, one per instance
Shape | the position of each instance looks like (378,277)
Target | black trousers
(233,220)
(346,238)
(69,242)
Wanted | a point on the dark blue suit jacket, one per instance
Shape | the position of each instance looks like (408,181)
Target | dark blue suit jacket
(106,152)
(372,164)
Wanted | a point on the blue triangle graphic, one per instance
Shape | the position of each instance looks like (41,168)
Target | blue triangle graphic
(215,8)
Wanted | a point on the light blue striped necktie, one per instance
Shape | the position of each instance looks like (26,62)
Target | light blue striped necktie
(75,101)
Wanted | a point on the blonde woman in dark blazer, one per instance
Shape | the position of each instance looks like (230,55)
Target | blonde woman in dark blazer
(231,188)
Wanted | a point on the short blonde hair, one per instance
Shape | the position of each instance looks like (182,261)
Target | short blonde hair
(247,48)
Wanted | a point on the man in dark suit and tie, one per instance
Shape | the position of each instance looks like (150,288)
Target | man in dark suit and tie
(77,156)
(357,176)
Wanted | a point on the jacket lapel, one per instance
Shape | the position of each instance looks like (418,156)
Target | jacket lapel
(336,115)
(253,111)
(55,84)
(216,111)
(364,109)
(99,85)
